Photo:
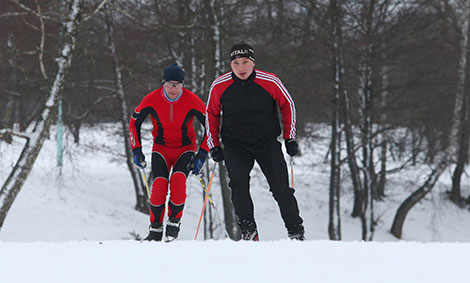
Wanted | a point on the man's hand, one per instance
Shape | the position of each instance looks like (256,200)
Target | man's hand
(139,158)
(217,154)
(197,161)
(292,147)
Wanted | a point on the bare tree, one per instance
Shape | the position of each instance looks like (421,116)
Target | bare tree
(215,13)
(444,158)
(35,139)
(7,115)
(462,107)
(142,197)
(334,224)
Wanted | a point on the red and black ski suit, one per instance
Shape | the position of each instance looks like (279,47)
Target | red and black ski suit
(248,112)
(174,144)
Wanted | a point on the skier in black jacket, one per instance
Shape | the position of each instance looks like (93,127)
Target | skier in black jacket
(245,102)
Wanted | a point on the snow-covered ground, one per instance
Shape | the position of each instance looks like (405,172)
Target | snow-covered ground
(79,224)
(227,261)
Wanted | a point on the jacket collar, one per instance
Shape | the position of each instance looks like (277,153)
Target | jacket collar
(248,80)
(171,100)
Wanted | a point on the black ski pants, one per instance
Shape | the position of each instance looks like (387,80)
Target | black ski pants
(239,160)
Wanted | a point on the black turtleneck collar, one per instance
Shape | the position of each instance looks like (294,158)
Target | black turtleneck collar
(248,80)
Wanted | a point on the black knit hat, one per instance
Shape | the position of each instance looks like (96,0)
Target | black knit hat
(173,73)
(240,50)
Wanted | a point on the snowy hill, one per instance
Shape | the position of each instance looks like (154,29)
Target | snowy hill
(78,225)
(227,261)
(93,198)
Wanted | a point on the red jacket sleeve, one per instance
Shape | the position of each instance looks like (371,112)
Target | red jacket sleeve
(136,120)
(201,108)
(213,116)
(287,107)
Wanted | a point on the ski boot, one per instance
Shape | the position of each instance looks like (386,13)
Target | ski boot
(296,232)
(172,229)
(249,230)
(155,232)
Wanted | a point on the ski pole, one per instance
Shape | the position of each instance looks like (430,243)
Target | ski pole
(292,171)
(145,179)
(201,180)
(205,200)
(203,184)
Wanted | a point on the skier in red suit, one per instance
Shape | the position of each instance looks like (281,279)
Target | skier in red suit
(172,109)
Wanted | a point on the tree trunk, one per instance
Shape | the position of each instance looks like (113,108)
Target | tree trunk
(460,132)
(369,18)
(231,223)
(452,147)
(334,223)
(35,141)
(349,133)
(7,118)
(414,198)
(142,204)
(382,120)
(462,156)
(351,151)
(366,128)
(231,220)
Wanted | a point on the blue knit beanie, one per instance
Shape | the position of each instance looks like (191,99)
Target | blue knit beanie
(173,73)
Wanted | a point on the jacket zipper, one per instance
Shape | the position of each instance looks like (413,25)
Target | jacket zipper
(171,112)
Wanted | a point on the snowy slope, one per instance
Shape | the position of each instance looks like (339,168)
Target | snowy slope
(227,261)
(78,225)
(92,198)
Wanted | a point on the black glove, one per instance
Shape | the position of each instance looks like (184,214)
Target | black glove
(217,153)
(292,147)
(197,161)
(139,158)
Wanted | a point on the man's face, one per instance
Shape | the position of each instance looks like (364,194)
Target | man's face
(242,67)
(173,88)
